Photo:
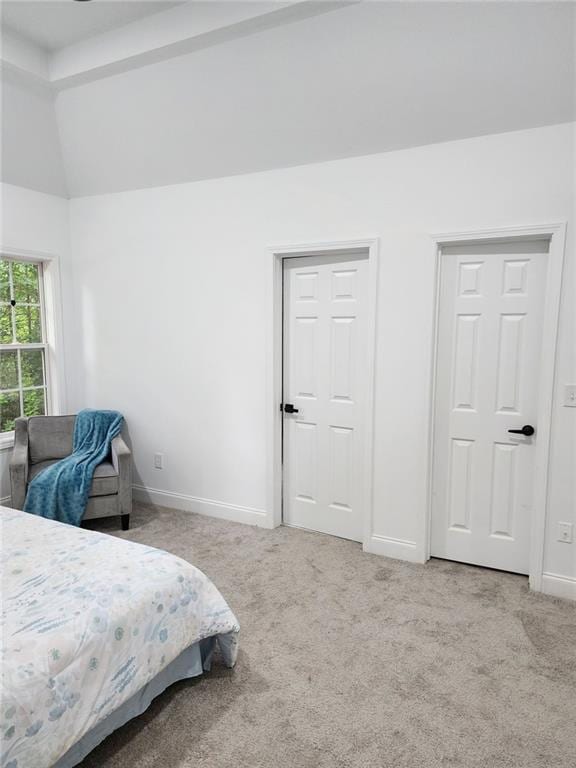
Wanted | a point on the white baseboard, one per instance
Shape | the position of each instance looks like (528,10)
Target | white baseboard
(208,507)
(559,586)
(399,549)
(5,501)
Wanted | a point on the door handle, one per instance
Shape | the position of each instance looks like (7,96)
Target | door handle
(527,430)
(289,408)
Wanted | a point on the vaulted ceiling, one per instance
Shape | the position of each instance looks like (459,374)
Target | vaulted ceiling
(200,90)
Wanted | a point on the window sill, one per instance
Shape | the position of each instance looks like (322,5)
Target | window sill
(6,441)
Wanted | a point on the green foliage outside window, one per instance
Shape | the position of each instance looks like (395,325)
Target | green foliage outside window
(22,370)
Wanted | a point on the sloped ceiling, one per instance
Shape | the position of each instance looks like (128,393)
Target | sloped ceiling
(365,78)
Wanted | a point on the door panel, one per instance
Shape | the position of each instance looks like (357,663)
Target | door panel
(489,337)
(305,356)
(325,377)
(503,501)
(466,361)
(342,349)
(304,454)
(461,467)
(341,467)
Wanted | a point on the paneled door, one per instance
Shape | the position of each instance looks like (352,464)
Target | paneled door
(324,385)
(487,371)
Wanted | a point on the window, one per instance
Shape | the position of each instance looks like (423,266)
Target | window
(23,381)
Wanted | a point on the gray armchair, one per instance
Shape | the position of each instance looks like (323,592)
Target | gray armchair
(42,440)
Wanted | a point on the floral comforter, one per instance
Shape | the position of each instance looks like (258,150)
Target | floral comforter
(87,620)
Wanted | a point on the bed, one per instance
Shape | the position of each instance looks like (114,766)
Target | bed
(93,627)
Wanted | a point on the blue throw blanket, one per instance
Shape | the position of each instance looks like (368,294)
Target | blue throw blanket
(60,492)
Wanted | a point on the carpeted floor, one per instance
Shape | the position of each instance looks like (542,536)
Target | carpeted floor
(350,660)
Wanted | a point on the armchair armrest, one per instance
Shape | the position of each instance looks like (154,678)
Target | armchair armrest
(122,461)
(19,464)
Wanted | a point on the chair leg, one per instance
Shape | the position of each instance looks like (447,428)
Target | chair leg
(125,522)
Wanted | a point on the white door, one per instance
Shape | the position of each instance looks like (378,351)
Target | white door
(488,365)
(325,378)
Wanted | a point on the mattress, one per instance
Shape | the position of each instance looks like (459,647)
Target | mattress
(89,622)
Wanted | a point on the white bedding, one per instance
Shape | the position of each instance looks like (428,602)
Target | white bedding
(87,620)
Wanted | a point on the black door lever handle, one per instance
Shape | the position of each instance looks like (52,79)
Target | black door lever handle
(289,408)
(527,430)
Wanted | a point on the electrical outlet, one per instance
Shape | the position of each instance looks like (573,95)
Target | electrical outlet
(565,533)
(570,395)
(158,461)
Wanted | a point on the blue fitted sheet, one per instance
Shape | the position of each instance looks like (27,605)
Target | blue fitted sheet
(192,662)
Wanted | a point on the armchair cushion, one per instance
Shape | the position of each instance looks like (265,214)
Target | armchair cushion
(50,437)
(104,481)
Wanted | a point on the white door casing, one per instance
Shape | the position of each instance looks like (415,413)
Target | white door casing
(490,319)
(325,370)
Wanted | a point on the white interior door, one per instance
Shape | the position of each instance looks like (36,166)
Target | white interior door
(325,380)
(488,365)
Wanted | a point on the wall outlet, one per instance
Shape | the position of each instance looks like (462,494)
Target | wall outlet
(570,395)
(565,533)
(158,461)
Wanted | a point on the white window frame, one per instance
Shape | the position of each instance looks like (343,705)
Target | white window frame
(49,278)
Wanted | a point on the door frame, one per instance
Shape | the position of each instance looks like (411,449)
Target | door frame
(556,234)
(275,313)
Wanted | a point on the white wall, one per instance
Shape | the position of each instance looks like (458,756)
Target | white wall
(171,294)
(32,221)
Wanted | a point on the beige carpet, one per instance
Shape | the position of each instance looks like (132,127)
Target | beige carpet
(352,660)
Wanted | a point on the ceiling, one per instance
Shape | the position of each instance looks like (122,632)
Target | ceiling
(365,78)
(369,78)
(54,24)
